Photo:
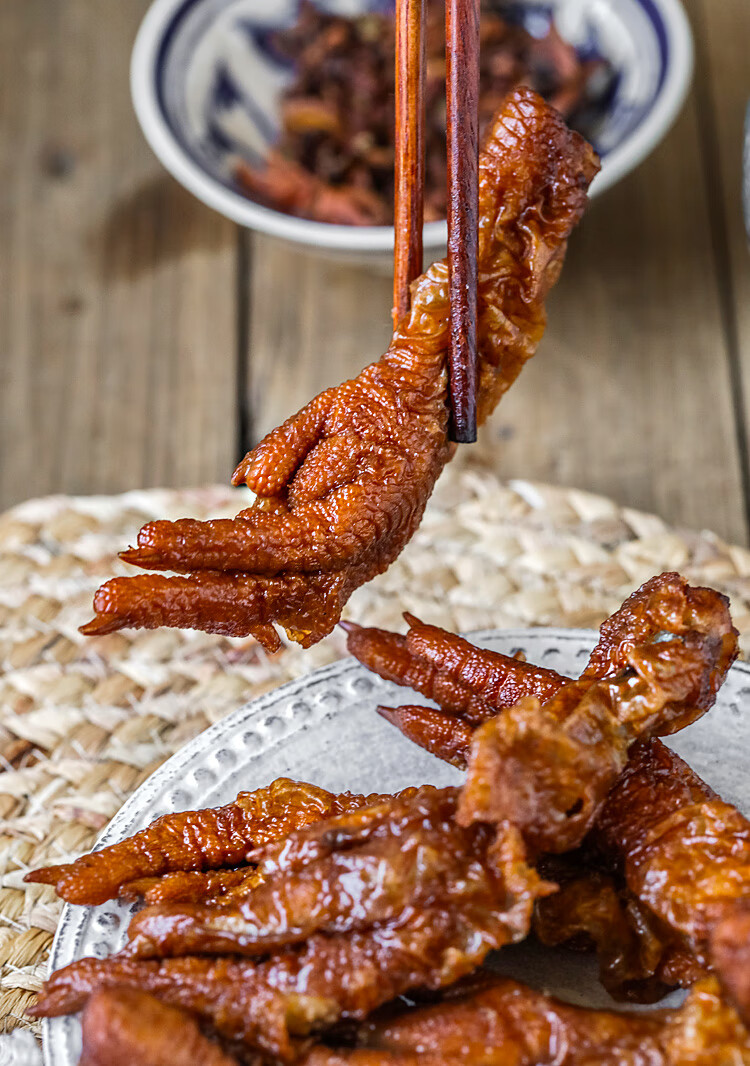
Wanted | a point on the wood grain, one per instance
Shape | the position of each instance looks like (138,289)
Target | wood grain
(120,317)
(117,325)
(722,39)
(313,323)
(630,393)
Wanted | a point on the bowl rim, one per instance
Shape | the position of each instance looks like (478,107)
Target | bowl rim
(355,239)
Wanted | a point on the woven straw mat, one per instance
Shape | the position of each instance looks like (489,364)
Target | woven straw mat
(84,721)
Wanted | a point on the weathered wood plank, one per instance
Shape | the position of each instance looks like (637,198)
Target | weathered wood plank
(313,323)
(117,322)
(631,393)
(117,301)
(722,37)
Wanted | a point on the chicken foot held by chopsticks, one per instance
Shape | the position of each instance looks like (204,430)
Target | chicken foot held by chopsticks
(341,486)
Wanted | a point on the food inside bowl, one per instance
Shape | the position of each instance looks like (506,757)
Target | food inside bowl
(333,161)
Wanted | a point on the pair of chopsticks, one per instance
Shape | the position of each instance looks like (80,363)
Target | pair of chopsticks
(462,100)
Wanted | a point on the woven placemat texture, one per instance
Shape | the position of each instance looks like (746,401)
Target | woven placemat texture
(84,722)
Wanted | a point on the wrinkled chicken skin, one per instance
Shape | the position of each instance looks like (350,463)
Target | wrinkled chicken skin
(686,855)
(664,602)
(509,1024)
(126,1027)
(193,886)
(640,959)
(548,767)
(198,840)
(233,996)
(342,485)
(269,1004)
(631,665)
(356,872)
(429,659)
(485,673)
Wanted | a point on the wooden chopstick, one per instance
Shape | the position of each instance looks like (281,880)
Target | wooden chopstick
(409,164)
(462,99)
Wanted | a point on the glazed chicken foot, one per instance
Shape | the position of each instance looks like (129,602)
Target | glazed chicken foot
(351,913)
(502,1023)
(194,842)
(341,487)
(682,852)
(412,891)
(127,1027)
(508,1024)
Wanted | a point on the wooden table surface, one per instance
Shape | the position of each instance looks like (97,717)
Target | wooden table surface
(145,340)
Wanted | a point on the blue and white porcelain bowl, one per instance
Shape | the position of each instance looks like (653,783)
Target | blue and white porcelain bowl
(206,91)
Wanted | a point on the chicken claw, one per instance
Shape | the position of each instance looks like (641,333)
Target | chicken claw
(575,746)
(685,854)
(341,487)
(441,734)
(389,656)
(473,683)
(207,839)
(353,912)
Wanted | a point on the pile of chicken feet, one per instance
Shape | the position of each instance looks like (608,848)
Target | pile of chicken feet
(290,925)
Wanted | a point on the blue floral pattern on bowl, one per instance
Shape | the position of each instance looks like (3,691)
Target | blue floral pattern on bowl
(207,86)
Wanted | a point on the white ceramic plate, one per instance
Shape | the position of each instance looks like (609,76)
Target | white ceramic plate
(323,728)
